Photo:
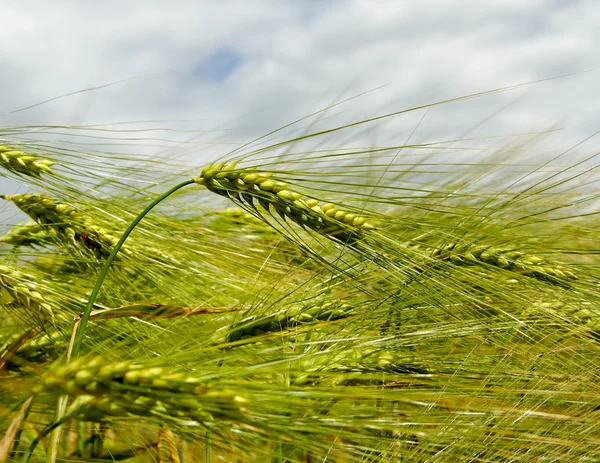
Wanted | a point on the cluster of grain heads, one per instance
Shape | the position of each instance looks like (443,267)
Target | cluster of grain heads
(583,314)
(11,344)
(354,366)
(250,188)
(257,325)
(98,408)
(590,317)
(127,388)
(29,234)
(40,347)
(66,221)
(515,261)
(18,289)
(17,161)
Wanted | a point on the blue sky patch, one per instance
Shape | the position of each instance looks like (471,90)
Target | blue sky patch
(217,66)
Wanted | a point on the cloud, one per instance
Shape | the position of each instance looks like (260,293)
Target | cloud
(255,66)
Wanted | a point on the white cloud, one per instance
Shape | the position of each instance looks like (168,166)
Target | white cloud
(299,56)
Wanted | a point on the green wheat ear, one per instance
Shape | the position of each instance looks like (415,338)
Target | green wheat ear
(467,254)
(284,319)
(251,188)
(29,234)
(66,221)
(18,288)
(129,388)
(17,161)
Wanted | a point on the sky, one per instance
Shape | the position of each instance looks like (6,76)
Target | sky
(235,70)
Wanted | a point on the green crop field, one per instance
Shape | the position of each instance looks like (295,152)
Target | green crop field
(303,298)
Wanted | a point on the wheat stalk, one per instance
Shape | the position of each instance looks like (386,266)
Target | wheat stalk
(19,162)
(154,311)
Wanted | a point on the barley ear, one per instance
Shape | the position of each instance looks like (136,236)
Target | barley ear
(251,188)
(66,221)
(532,266)
(285,319)
(18,288)
(18,162)
(28,234)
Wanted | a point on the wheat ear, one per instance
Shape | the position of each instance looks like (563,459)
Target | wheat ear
(37,348)
(257,325)
(106,389)
(250,188)
(19,289)
(19,162)
(28,234)
(583,313)
(66,220)
(516,261)
(339,368)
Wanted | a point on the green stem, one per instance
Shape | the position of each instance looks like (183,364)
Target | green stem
(80,439)
(183,451)
(79,328)
(110,259)
(29,452)
(54,441)
(61,406)
(208,447)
